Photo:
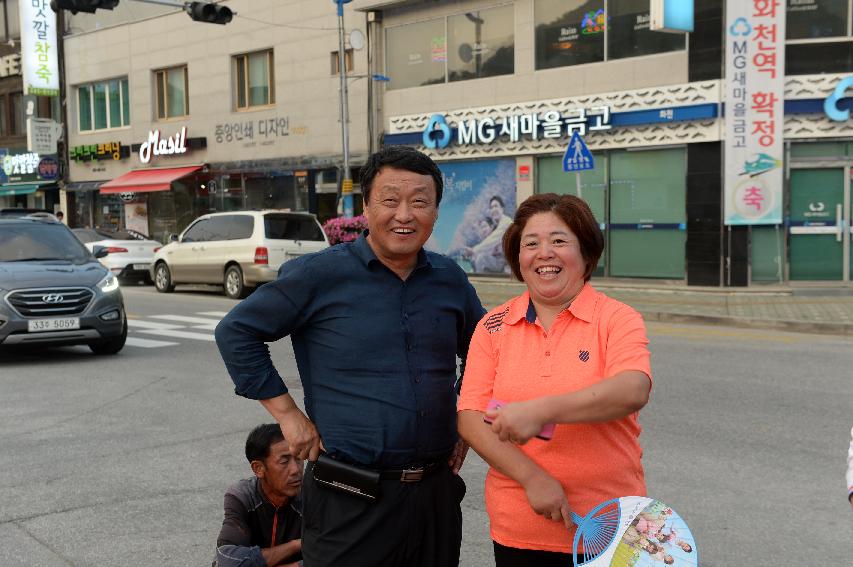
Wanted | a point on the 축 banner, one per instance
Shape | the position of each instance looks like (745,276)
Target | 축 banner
(39,55)
(754,113)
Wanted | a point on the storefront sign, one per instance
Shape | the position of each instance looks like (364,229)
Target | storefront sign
(830,104)
(39,48)
(524,173)
(157,146)
(23,167)
(755,87)
(671,15)
(512,128)
(109,150)
(48,169)
(262,129)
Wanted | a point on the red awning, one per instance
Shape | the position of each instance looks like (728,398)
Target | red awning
(142,180)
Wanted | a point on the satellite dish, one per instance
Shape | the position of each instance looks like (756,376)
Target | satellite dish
(356,40)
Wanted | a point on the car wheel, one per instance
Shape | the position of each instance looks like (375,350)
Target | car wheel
(234,286)
(112,345)
(163,278)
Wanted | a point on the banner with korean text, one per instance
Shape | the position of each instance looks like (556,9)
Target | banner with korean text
(39,54)
(754,111)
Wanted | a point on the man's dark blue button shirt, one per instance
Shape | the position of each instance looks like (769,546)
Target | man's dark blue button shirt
(376,354)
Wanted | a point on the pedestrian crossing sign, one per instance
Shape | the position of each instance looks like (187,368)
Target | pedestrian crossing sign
(577,156)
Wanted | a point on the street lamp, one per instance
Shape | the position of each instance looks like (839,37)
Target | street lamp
(346,183)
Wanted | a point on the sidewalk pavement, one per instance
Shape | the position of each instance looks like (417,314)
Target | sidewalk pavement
(807,307)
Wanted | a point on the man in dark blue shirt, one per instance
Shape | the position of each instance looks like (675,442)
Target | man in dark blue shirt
(376,327)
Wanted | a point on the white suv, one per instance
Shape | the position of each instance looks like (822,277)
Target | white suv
(238,250)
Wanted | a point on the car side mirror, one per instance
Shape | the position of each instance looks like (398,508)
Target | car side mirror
(173,237)
(100,251)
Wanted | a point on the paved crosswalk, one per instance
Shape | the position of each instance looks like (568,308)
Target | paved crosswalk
(199,327)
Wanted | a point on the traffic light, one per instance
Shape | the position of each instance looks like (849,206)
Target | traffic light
(88,6)
(210,13)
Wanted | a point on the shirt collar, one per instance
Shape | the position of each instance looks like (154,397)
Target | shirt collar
(365,253)
(582,307)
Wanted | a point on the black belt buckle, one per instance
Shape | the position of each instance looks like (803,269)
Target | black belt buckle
(412,475)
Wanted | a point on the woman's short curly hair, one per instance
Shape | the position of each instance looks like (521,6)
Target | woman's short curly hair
(573,211)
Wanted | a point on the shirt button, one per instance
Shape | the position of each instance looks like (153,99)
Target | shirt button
(423,413)
(547,353)
(418,380)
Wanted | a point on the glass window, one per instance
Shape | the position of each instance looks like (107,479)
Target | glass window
(808,58)
(569,32)
(84,106)
(198,232)
(13,20)
(172,99)
(103,105)
(292,227)
(242,226)
(17,119)
(254,80)
(808,19)
(218,228)
(42,242)
(99,104)
(481,43)
(629,34)
(416,54)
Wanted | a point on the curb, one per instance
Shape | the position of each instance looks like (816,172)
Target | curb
(843,329)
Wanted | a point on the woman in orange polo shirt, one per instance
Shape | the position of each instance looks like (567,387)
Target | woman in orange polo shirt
(559,353)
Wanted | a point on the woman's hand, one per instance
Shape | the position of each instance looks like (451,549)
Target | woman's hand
(547,498)
(517,422)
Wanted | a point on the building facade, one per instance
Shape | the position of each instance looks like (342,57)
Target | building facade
(168,118)
(495,91)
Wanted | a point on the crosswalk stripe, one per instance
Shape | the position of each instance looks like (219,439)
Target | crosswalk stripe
(137,324)
(146,343)
(179,334)
(183,319)
(219,314)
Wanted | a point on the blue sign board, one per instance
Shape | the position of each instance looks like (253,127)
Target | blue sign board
(577,156)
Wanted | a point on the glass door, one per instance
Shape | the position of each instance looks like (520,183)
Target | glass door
(820,224)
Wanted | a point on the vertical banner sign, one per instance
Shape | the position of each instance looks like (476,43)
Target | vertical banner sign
(754,113)
(39,55)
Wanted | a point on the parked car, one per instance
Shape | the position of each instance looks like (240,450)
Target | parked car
(54,291)
(131,254)
(238,250)
(22,212)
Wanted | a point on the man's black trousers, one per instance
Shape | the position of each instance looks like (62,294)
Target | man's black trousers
(416,524)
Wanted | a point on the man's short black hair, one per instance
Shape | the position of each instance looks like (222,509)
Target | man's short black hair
(260,439)
(499,200)
(400,157)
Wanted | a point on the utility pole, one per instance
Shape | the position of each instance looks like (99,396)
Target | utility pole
(346,183)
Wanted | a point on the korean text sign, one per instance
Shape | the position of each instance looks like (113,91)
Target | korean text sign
(754,98)
(39,55)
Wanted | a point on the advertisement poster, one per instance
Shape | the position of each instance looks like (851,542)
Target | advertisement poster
(754,113)
(136,217)
(476,208)
(39,55)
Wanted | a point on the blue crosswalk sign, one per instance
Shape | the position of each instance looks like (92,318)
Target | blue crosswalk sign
(577,156)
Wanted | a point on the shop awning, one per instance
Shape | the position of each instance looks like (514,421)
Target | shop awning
(83,186)
(147,180)
(9,190)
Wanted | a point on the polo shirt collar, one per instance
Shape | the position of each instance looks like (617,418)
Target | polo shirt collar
(582,307)
(365,253)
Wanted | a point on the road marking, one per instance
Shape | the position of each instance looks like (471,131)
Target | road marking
(179,334)
(137,324)
(183,319)
(147,343)
(219,314)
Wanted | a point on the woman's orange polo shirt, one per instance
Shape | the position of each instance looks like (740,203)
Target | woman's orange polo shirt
(512,358)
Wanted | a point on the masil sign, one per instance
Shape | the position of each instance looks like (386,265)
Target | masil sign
(157,146)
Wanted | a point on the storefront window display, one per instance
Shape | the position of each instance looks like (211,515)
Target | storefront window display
(808,19)
(569,33)
(476,208)
(416,54)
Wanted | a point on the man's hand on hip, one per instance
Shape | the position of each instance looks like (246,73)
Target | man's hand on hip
(298,430)
(460,450)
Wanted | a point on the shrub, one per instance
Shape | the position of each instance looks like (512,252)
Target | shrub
(342,229)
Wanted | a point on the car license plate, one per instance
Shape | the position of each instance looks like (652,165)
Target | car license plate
(59,324)
(141,267)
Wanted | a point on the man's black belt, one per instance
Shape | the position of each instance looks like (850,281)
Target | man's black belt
(412,474)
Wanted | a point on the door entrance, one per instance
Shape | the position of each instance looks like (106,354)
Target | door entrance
(820,229)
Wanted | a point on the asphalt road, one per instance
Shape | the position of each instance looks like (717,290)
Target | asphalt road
(113,461)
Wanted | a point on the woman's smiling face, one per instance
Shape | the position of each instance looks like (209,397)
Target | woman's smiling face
(550,260)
